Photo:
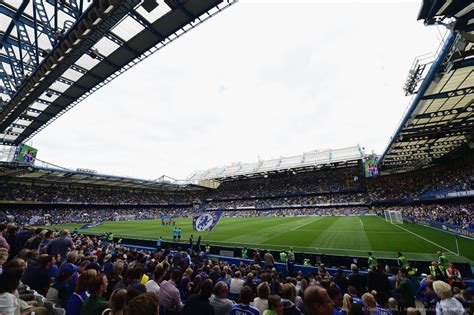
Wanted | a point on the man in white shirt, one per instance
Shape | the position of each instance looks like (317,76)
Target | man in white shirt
(154,284)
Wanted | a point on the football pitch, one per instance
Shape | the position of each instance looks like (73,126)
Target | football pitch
(352,236)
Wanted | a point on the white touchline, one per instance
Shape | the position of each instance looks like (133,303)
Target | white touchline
(361,222)
(318,218)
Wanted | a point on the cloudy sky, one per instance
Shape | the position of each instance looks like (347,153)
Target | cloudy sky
(261,79)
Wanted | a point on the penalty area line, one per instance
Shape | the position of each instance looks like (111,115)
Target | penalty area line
(425,239)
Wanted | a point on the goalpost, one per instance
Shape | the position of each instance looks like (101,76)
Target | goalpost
(393,216)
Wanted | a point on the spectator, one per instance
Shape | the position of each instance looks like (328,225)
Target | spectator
(94,303)
(74,304)
(269,260)
(357,280)
(377,280)
(170,298)
(147,303)
(222,305)
(275,306)
(199,304)
(261,301)
(117,302)
(405,290)
(447,304)
(154,284)
(236,285)
(288,299)
(317,301)
(9,281)
(36,275)
(244,307)
(60,245)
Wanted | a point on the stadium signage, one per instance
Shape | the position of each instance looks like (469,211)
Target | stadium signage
(453,229)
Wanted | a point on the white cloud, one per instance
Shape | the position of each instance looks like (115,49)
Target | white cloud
(262,78)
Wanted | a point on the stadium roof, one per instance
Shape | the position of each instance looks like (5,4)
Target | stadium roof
(53,54)
(439,121)
(305,162)
(23,172)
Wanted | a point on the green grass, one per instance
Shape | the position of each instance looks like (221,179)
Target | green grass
(329,235)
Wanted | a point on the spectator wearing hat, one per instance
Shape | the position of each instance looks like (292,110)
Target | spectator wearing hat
(447,304)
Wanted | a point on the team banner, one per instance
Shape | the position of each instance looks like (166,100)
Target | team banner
(207,221)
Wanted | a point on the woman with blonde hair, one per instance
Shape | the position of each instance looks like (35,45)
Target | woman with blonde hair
(346,303)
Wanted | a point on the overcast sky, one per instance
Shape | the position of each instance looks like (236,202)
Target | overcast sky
(261,79)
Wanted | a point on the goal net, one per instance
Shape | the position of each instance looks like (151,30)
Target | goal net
(394,217)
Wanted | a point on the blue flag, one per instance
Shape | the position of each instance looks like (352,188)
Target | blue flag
(207,221)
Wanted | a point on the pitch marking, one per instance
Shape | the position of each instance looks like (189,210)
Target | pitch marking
(425,239)
(297,227)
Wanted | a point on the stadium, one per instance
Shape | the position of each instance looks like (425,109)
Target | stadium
(336,230)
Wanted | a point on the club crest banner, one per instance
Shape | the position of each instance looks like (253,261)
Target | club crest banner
(206,221)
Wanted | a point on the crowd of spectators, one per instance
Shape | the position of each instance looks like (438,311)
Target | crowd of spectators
(260,203)
(315,187)
(332,180)
(414,184)
(457,214)
(85,276)
(89,214)
(89,195)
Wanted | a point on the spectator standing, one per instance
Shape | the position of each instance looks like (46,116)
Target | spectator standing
(60,245)
(357,280)
(269,260)
(377,280)
(405,290)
